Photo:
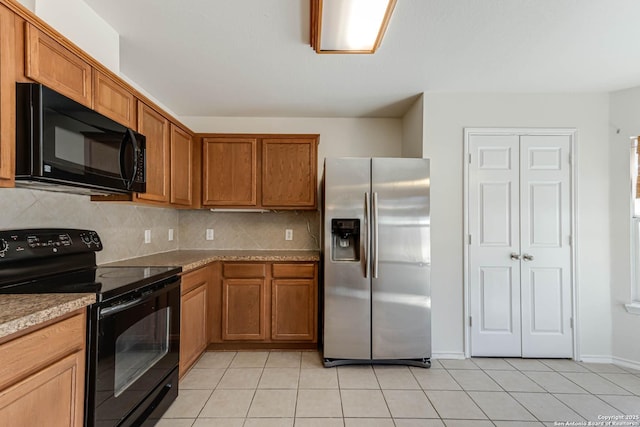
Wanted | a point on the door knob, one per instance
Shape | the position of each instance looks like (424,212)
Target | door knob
(527,257)
(514,256)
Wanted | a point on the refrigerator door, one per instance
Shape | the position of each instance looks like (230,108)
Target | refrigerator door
(401,259)
(347,291)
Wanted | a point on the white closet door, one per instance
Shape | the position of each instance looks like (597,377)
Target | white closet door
(545,219)
(494,279)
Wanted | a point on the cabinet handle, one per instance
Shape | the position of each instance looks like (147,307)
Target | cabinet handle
(527,257)
(514,256)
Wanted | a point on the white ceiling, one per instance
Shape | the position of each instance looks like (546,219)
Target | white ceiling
(252,57)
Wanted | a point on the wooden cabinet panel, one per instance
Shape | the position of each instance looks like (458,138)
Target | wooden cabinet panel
(50,63)
(53,396)
(289,176)
(7,97)
(229,171)
(114,100)
(181,167)
(156,128)
(44,387)
(241,270)
(244,310)
(293,314)
(193,325)
(299,270)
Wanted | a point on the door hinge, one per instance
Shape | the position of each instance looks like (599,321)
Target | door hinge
(469,239)
(469,158)
(571,322)
(470,321)
(570,240)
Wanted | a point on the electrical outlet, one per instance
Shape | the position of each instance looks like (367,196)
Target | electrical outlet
(209,233)
(147,236)
(170,234)
(288,234)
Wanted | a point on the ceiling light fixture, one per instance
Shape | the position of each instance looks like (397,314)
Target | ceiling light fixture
(349,26)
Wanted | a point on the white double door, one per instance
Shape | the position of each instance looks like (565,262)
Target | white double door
(519,213)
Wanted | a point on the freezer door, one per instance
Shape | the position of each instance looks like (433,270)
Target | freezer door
(347,292)
(401,258)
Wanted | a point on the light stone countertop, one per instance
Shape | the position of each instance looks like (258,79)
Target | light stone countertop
(18,312)
(192,259)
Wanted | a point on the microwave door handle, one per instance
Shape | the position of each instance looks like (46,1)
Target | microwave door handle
(128,138)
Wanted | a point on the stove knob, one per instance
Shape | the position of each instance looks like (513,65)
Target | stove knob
(4,247)
(95,239)
(86,239)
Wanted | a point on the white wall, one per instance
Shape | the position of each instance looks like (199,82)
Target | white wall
(80,24)
(624,122)
(413,129)
(446,115)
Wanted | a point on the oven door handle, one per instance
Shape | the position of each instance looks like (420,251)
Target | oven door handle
(120,307)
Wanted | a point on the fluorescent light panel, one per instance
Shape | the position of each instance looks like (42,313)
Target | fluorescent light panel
(349,26)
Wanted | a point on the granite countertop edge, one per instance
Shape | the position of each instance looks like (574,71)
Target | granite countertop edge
(194,259)
(22,311)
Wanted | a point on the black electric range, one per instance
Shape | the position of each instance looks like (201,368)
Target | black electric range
(133,330)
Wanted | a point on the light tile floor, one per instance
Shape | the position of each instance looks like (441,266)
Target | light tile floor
(287,389)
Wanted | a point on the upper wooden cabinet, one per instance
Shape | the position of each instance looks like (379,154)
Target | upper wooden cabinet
(114,100)
(7,97)
(260,171)
(182,165)
(289,172)
(50,63)
(156,128)
(229,171)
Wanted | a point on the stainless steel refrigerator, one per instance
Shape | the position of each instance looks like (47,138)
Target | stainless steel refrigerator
(376,254)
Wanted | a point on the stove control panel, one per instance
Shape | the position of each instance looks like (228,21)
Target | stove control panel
(17,245)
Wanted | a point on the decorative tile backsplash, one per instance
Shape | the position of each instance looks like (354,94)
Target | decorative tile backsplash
(250,230)
(122,226)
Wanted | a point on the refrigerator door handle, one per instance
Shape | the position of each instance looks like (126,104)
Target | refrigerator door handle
(367,238)
(375,235)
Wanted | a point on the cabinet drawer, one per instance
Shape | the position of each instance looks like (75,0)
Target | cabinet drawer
(293,270)
(241,270)
(24,355)
(193,279)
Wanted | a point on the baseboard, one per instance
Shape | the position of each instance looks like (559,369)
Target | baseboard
(633,364)
(594,358)
(456,355)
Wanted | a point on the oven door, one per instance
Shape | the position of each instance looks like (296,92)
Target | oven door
(137,348)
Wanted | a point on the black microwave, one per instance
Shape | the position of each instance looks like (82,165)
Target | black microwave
(62,145)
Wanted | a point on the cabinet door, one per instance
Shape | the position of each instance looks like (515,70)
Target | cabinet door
(113,100)
(53,396)
(289,172)
(193,326)
(156,128)
(181,167)
(50,63)
(7,97)
(294,302)
(244,309)
(229,171)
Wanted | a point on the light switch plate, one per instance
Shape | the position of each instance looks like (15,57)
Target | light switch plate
(288,234)
(147,236)
(170,234)
(209,233)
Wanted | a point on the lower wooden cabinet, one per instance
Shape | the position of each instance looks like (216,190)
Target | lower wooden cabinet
(193,321)
(265,303)
(293,302)
(42,375)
